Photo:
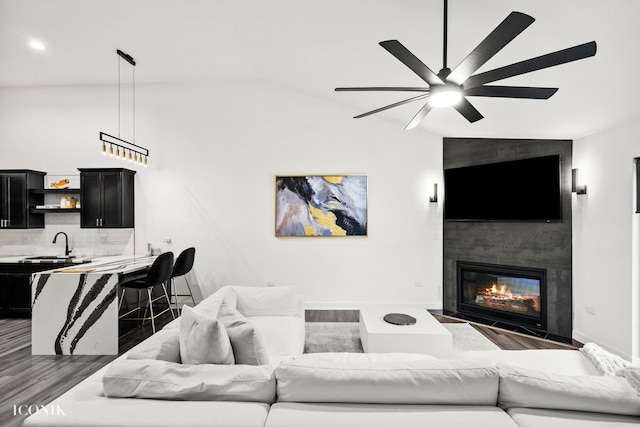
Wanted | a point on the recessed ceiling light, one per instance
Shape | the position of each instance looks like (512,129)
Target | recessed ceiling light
(36,45)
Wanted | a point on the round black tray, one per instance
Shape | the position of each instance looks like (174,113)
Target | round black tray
(399,319)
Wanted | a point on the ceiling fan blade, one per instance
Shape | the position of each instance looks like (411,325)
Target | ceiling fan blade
(468,111)
(398,50)
(421,114)
(390,89)
(512,92)
(538,63)
(395,104)
(508,30)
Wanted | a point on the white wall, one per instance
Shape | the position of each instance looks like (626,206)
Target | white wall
(606,258)
(215,150)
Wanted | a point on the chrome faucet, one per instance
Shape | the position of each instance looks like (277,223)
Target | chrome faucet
(66,242)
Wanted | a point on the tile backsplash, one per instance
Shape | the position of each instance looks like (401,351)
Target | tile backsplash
(84,241)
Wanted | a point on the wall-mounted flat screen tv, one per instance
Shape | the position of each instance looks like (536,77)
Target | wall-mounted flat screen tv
(519,190)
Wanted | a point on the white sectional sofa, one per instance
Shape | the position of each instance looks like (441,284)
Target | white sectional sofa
(277,312)
(529,388)
(469,389)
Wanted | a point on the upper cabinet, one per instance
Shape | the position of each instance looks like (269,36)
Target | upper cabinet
(16,199)
(107,198)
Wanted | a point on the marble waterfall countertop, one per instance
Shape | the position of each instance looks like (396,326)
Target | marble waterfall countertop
(23,259)
(75,308)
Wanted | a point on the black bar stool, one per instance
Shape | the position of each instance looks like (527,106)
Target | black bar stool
(159,274)
(183,265)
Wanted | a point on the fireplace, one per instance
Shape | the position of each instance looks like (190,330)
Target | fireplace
(502,293)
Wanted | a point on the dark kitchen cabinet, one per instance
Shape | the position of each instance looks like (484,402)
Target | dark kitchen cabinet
(15,287)
(107,198)
(15,295)
(16,199)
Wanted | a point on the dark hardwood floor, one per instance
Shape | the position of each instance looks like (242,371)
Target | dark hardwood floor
(332,316)
(508,340)
(37,380)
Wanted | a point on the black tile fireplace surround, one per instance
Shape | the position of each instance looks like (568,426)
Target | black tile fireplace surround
(506,294)
(541,245)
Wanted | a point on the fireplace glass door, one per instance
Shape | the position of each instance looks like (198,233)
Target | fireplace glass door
(505,293)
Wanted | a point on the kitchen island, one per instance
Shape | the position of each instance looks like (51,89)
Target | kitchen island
(75,309)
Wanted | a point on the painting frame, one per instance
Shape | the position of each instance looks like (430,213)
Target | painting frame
(321,205)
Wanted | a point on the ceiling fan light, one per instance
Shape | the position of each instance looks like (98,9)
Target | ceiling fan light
(444,96)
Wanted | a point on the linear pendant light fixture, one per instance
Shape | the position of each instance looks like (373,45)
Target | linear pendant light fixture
(119,147)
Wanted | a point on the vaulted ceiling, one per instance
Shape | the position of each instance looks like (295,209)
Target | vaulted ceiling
(315,46)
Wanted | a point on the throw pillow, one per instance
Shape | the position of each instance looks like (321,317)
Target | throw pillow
(203,339)
(246,340)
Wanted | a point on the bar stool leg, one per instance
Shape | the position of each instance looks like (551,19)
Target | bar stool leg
(174,291)
(140,308)
(121,299)
(150,304)
(190,292)
(166,295)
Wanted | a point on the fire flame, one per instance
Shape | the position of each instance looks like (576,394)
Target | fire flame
(504,290)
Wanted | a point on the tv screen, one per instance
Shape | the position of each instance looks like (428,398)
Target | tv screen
(519,190)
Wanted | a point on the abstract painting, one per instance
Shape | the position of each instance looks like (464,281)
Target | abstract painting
(321,205)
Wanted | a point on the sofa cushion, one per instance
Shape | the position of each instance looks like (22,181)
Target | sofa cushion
(529,417)
(156,379)
(287,414)
(86,405)
(163,345)
(356,358)
(563,362)
(203,339)
(272,301)
(246,340)
(283,336)
(529,388)
(428,382)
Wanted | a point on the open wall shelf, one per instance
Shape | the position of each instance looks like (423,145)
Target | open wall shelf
(56,191)
(55,210)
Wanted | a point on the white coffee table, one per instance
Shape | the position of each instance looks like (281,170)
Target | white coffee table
(426,336)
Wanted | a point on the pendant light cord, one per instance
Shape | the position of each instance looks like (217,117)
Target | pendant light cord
(134,103)
(444,47)
(119,114)
(119,100)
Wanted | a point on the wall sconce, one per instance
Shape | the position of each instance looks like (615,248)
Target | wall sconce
(434,197)
(575,187)
(638,185)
